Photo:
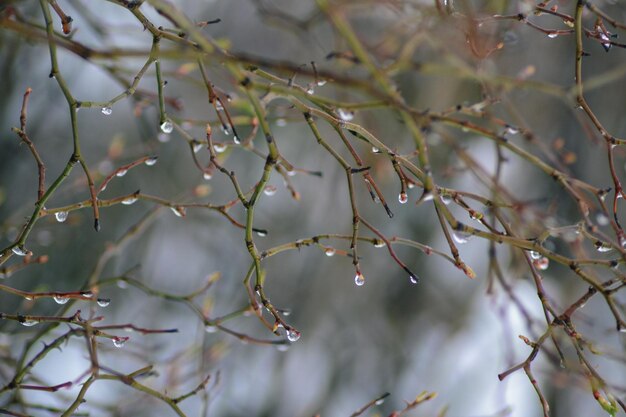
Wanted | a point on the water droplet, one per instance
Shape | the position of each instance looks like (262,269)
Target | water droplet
(151,161)
(29,298)
(270,190)
(359,279)
(380,401)
(603,247)
(119,342)
(281,122)
(29,323)
(542,264)
(291,173)
(236,140)
(128,201)
(122,284)
(403,198)
(207,176)
(552,35)
(534,255)
(345,115)
(261,233)
(107,111)
(375,149)
(20,250)
(413,279)
(209,328)
(61,216)
(293,335)
(330,251)
(310,90)
(446,199)
(61,299)
(87,294)
(321,83)
(167,127)
(379,244)
(225,130)
(197,147)
(219,147)
(103,302)
(602,219)
(461,237)
(121,172)
(178,211)
(512,130)
(218,105)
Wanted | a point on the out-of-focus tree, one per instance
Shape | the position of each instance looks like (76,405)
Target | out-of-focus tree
(156,154)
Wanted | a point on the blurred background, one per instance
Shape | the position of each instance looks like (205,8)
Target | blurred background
(448,334)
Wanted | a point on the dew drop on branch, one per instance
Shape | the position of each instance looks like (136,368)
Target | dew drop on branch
(87,294)
(219,147)
(293,335)
(121,172)
(380,401)
(461,237)
(375,149)
(178,211)
(107,111)
(197,147)
(403,198)
(310,90)
(225,130)
(270,190)
(151,161)
(128,201)
(103,302)
(119,342)
(534,255)
(167,127)
(413,279)
(20,251)
(29,323)
(61,299)
(207,176)
(61,216)
(359,279)
(261,233)
(542,263)
(345,115)
(552,35)
(603,247)
(321,83)
(209,328)
(330,251)
(446,199)
(379,244)
(236,140)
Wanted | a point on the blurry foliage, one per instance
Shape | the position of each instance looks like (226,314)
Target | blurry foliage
(443,154)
